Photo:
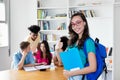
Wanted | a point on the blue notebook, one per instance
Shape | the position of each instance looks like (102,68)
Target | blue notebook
(71,59)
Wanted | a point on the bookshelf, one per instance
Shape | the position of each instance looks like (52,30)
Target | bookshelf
(53,18)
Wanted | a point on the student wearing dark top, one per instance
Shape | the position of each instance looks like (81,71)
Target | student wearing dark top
(60,46)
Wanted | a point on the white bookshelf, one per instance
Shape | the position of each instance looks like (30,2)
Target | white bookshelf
(56,17)
(100,25)
(102,21)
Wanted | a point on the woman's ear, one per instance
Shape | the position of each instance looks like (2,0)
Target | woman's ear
(84,23)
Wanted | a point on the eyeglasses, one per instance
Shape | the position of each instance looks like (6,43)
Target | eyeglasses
(78,23)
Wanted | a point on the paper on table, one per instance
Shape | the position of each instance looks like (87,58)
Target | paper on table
(42,67)
(29,68)
(36,67)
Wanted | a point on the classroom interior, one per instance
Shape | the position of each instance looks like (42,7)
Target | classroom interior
(53,17)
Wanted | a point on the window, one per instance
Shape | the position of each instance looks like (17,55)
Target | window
(3,24)
(2,12)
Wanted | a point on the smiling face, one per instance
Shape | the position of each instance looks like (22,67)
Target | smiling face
(42,47)
(33,36)
(77,25)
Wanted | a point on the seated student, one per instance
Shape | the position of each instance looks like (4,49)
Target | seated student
(24,57)
(60,46)
(34,37)
(43,55)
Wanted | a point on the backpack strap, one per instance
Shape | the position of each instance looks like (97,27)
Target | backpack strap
(85,51)
(84,46)
(97,40)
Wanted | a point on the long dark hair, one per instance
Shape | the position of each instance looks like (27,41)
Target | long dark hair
(64,39)
(74,36)
(48,55)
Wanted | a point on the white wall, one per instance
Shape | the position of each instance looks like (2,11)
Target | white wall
(103,29)
(4,58)
(116,55)
(23,14)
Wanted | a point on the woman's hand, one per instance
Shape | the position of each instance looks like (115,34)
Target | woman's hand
(44,63)
(66,73)
(24,53)
(59,45)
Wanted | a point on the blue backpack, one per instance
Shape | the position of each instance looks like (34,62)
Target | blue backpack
(100,57)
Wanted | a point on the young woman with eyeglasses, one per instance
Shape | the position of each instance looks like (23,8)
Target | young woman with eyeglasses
(79,33)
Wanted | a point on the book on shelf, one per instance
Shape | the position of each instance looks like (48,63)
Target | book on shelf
(62,26)
(87,13)
(55,37)
(42,14)
(40,23)
(39,14)
(92,3)
(45,36)
(84,12)
(61,15)
(46,25)
(49,37)
(38,4)
(93,13)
